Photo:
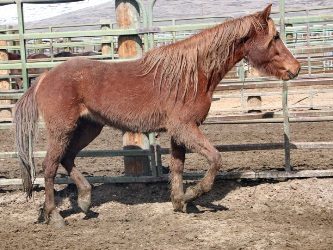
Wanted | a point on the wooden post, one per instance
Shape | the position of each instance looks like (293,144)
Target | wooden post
(5,110)
(128,16)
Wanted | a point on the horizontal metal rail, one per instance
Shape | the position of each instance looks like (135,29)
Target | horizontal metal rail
(263,146)
(221,120)
(43,65)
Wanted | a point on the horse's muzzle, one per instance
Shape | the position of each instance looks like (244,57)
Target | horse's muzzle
(293,75)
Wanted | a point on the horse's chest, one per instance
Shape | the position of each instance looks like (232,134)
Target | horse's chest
(202,109)
(198,110)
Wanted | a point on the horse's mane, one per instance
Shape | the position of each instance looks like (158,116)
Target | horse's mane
(178,62)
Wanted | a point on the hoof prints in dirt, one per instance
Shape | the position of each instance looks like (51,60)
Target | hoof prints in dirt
(249,215)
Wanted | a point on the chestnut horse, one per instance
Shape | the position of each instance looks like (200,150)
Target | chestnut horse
(169,89)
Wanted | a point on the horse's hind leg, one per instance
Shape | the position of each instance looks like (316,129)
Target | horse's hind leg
(177,167)
(57,142)
(85,133)
(191,136)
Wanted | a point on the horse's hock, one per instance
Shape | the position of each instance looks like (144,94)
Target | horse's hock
(5,110)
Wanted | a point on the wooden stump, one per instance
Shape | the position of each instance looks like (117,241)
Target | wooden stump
(136,165)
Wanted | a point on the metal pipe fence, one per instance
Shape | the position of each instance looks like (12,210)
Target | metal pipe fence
(309,36)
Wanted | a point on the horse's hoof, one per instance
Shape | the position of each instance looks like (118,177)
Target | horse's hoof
(84,202)
(179,206)
(56,220)
(192,193)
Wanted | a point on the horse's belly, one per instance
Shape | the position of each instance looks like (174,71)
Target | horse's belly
(129,121)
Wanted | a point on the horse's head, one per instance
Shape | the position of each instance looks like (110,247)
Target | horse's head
(265,50)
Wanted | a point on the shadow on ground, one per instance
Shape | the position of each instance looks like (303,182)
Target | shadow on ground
(132,194)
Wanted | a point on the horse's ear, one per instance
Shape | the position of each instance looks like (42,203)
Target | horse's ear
(266,12)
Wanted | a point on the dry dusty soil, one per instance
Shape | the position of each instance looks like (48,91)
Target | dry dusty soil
(292,214)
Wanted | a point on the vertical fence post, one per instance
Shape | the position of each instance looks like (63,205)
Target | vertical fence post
(20,18)
(106,48)
(5,113)
(308,41)
(128,16)
(153,156)
(286,125)
(253,102)
(150,22)
(241,75)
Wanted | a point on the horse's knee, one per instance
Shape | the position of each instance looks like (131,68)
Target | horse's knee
(50,169)
(176,167)
(215,158)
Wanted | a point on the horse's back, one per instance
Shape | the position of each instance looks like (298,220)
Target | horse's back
(111,93)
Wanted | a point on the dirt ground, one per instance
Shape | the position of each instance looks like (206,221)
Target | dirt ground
(293,214)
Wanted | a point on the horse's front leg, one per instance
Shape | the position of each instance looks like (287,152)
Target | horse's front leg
(176,177)
(191,136)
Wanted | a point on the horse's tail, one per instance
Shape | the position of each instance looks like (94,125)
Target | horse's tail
(25,118)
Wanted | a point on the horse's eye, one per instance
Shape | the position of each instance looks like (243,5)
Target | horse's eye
(277,36)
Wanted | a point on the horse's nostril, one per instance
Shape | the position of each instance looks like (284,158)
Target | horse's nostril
(290,74)
(293,75)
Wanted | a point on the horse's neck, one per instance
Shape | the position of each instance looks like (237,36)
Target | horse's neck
(220,71)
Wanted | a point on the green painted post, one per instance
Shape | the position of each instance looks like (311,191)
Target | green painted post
(20,18)
(153,164)
(107,48)
(4,83)
(174,33)
(241,73)
(282,20)
(150,22)
(286,125)
(308,42)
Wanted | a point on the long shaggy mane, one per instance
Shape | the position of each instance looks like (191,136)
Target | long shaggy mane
(178,63)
